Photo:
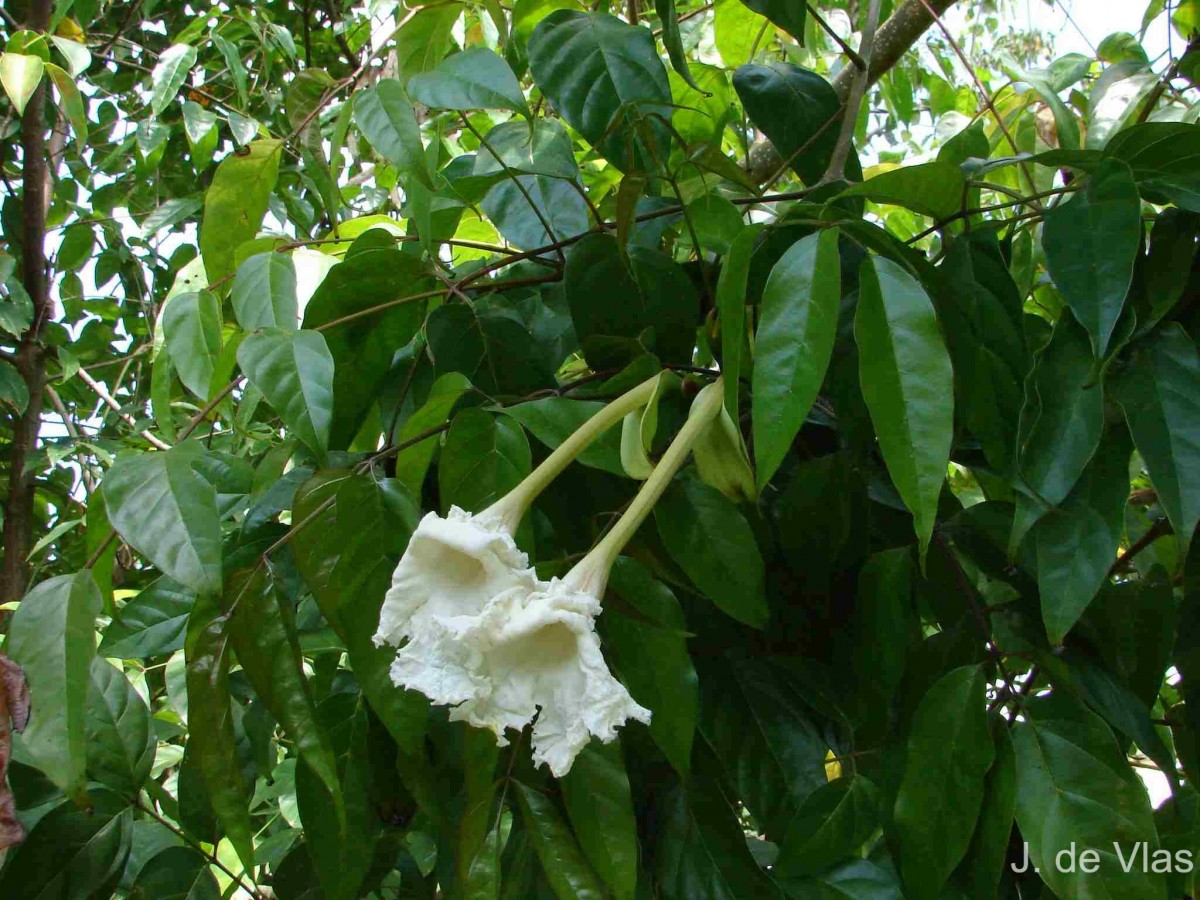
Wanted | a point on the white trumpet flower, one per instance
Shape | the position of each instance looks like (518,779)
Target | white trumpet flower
(483,634)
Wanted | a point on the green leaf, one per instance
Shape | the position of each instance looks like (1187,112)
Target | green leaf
(1074,786)
(52,637)
(738,31)
(176,873)
(799,113)
(908,384)
(606,79)
(264,640)
(1160,393)
(554,419)
(413,462)
(20,73)
(70,99)
(169,213)
(731,311)
(167,512)
(712,542)
(295,371)
(425,38)
(170,72)
(483,459)
(655,293)
(235,203)
(1160,155)
(490,348)
(237,68)
(652,657)
(1066,123)
(1076,542)
(564,865)
(210,723)
(884,627)
(949,752)
(596,794)
(756,719)
(72,853)
(933,189)
(13,389)
(668,17)
(120,742)
(1091,242)
(192,328)
(793,344)
(982,869)
(542,154)
(152,624)
(1061,422)
(833,823)
(787,15)
(702,851)
(340,823)
(473,79)
(357,529)
(859,879)
(264,292)
(385,116)
(372,287)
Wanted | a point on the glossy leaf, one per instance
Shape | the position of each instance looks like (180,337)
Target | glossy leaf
(120,742)
(385,116)
(151,624)
(210,723)
(162,507)
(793,344)
(1091,241)
(492,350)
(600,72)
(908,384)
(473,79)
(566,869)
(264,292)
(413,461)
(483,459)
(192,327)
(599,806)
(295,372)
(712,542)
(177,873)
(833,823)
(52,637)
(731,309)
(1158,392)
(170,72)
(554,419)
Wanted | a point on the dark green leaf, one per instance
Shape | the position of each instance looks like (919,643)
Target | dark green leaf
(1074,787)
(731,310)
(413,462)
(1160,393)
(712,542)
(483,459)
(210,723)
(177,873)
(794,343)
(566,869)
(542,158)
(985,859)
(831,824)
(1160,155)
(949,752)
(158,503)
(799,112)
(652,658)
(385,116)
(606,79)
(358,528)
(669,19)
(264,292)
(787,15)
(860,879)
(1091,241)
(295,372)
(596,794)
(52,637)
(908,384)
(191,325)
(13,389)
(554,419)
(493,350)
(120,742)
(474,79)
(151,624)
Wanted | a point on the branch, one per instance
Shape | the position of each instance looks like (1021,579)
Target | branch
(894,38)
(858,87)
(112,403)
(31,363)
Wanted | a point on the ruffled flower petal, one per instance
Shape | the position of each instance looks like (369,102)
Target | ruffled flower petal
(527,654)
(453,566)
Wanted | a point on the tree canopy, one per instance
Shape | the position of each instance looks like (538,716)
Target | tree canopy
(893,313)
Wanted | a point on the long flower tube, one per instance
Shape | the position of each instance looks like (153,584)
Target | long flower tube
(529,650)
(454,564)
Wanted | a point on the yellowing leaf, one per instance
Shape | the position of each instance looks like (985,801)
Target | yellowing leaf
(20,75)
